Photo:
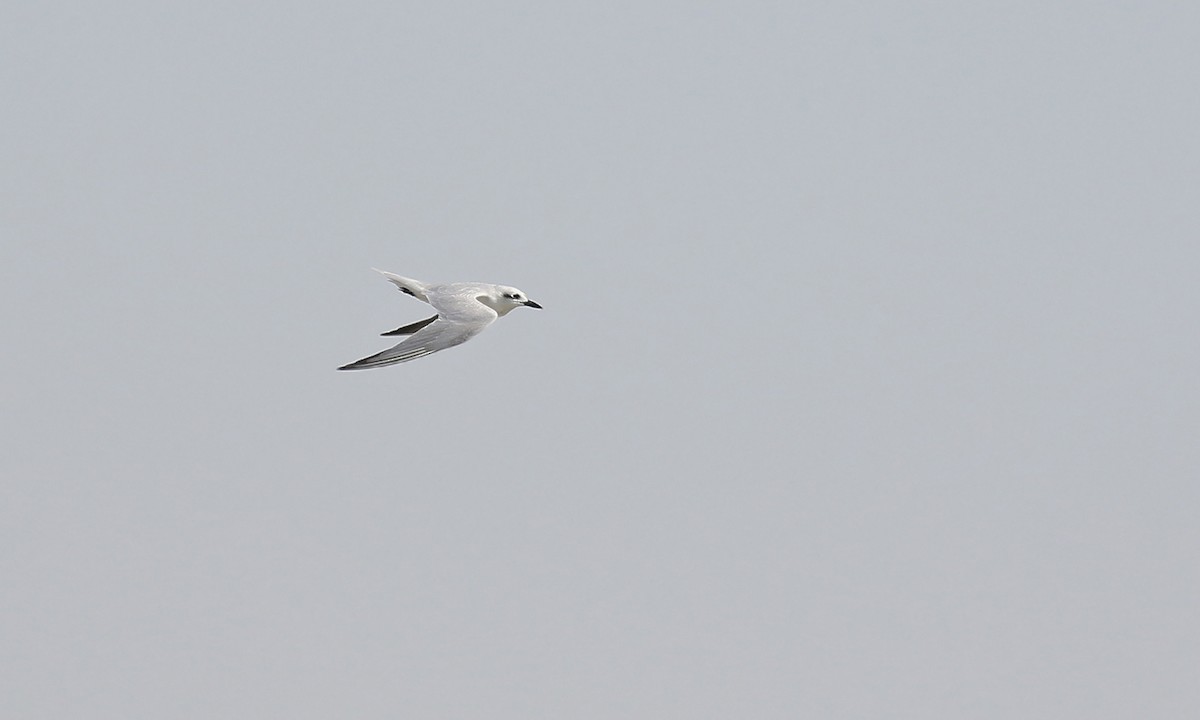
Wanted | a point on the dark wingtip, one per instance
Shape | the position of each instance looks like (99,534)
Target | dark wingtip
(356,365)
(410,329)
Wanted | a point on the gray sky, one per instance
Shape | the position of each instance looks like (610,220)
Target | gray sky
(866,385)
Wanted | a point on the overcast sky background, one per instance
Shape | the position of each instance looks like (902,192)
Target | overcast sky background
(866,385)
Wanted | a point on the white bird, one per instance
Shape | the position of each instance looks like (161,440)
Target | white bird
(463,311)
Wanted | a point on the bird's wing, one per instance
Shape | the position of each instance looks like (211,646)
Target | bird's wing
(410,329)
(460,301)
(408,286)
(438,335)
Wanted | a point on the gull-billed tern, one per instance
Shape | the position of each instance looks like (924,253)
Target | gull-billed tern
(463,311)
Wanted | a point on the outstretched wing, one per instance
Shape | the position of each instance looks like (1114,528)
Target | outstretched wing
(437,335)
(408,286)
(410,329)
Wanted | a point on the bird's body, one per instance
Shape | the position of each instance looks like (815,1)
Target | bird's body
(463,311)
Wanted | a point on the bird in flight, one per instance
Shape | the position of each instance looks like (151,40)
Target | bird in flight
(463,311)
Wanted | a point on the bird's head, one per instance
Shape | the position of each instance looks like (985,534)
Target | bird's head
(510,298)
